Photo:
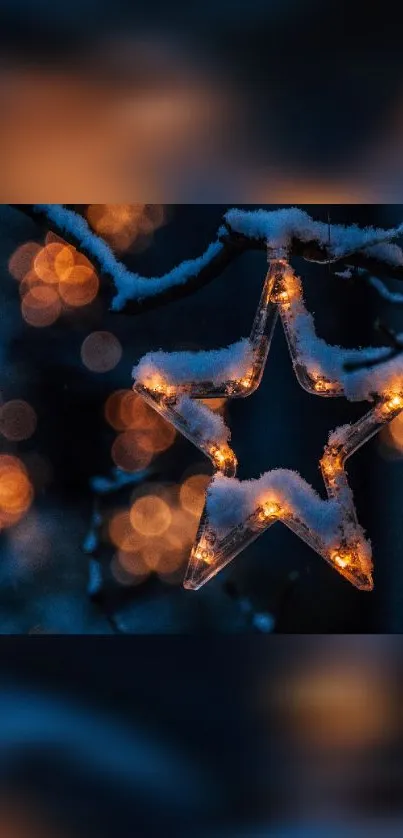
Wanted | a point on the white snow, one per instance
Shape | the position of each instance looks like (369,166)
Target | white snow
(279,227)
(364,384)
(215,365)
(203,422)
(230,501)
(129,285)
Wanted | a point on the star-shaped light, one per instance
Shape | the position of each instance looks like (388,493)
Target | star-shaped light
(236,512)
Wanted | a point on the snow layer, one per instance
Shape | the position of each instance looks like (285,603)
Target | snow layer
(204,423)
(279,227)
(230,501)
(215,365)
(129,285)
(365,383)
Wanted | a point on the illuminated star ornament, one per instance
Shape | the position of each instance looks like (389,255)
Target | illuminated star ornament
(174,384)
(236,512)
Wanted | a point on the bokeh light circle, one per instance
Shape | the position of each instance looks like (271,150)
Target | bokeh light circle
(193,492)
(101,352)
(150,515)
(41,306)
(17,420)
(127,454)
(21,261)
(16,492)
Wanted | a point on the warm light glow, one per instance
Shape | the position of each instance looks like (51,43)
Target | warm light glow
(51,277)
(157,385)
(203,554)
(221,456)
(21,262)
(218,455)
(80,287)
(216,405)
(156,437)
(115,415)
(125,224)
(270,509)
(128,454)
(45,262)
(323,385)
(339,703)
(281,297)
(125,410)
(342,558)
(133,564)
(16,491)
(286,290)
(331,464)
(395,430)
(394,402)
(150,515)
(192,493)
(246,382)
(121,533)
(41,306)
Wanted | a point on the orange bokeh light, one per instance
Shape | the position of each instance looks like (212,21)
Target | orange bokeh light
(150,515)
(216,405)
(113,409)
(29,281)
(45,262)
(158,437)
(124,224)
(101,351)
(121,532)
(396,432)
(51,277)
(17,420)
(192,493)
(64,260)
(21,261)
(127,454)
(136,413)
(16,491)
(129,568)
(145,432)
(79,287)
(41,306)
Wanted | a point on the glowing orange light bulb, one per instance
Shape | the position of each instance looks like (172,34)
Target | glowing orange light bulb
(269,509)
(394,401)
(158,385)
(331,464)
(323,385)
(203,555)
(342,558)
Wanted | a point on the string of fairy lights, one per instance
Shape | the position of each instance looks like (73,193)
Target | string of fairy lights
(344,545)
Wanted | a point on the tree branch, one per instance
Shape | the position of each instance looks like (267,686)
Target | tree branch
(200,272)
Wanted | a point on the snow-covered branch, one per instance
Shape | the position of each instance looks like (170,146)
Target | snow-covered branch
(367,248)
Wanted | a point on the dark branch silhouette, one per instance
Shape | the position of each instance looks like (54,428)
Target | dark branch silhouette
(233,245)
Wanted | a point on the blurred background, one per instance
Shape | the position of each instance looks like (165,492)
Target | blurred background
(200,103)
(100,499)
(284,737)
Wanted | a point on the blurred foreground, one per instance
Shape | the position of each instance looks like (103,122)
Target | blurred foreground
(200,103)
(284,737)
